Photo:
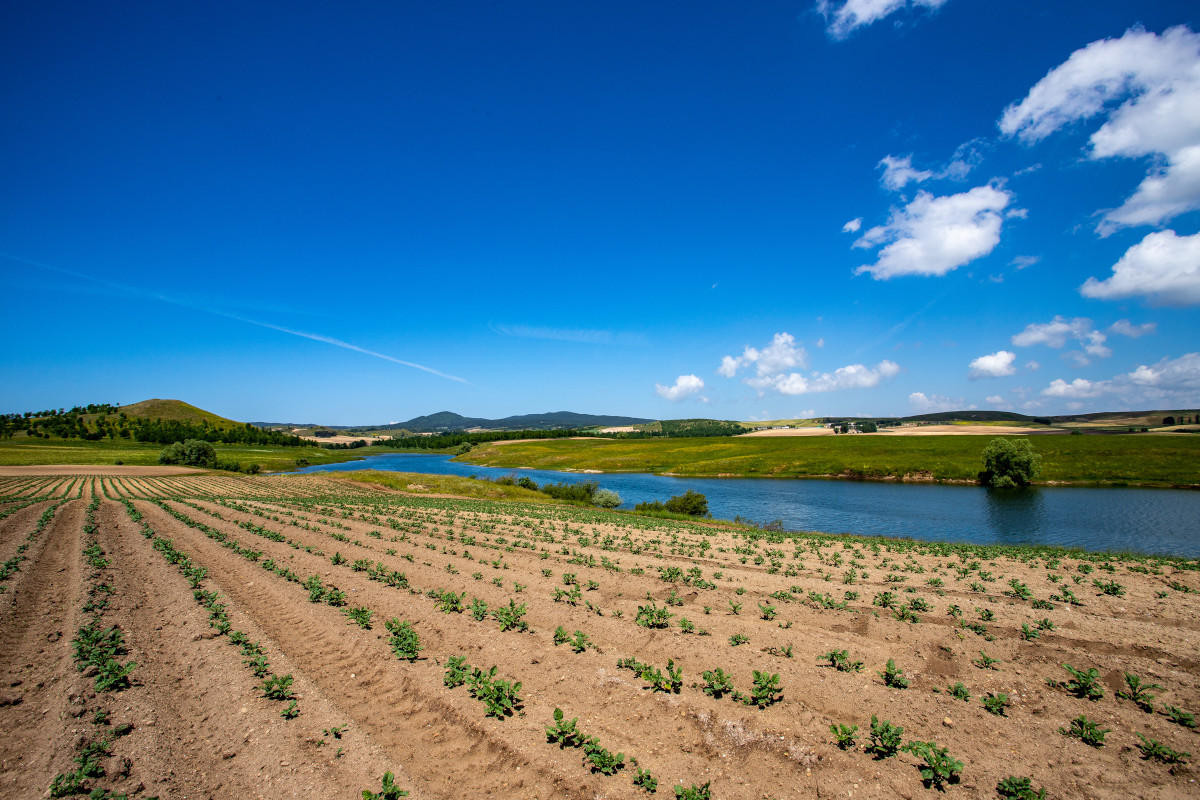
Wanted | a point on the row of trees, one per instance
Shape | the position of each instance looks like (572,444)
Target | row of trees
(112,423)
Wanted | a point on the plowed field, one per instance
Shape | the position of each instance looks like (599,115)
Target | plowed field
(300,636)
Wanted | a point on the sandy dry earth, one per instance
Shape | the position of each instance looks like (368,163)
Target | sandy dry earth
(915,430)
(811,431)
(201,726)
(964,430)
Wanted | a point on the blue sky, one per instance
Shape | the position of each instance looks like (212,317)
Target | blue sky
(365,213)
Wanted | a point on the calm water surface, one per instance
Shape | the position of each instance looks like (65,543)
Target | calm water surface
(1164,521)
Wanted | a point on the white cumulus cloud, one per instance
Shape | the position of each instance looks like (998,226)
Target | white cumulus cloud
(852,226)
(934,235)
(854,376)
(1157,80)
(1080,387)
(1059,330)
(843,18)
(899,172)
(1125,328)
(1173,375)
(995,365)
(685,386)
(928,403)
(1173,381)
(775,370)
(995,399)
(781,354)
(1163,267)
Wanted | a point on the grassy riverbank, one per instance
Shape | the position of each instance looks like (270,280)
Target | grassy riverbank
(21,451)
(1110,460)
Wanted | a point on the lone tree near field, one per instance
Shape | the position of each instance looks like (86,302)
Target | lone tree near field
(1009,462)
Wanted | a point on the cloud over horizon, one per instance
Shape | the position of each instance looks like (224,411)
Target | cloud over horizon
(684,387)
(934,235)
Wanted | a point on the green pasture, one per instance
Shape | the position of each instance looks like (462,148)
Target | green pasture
(1114,460)
(24,451)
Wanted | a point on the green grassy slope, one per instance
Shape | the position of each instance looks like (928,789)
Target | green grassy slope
(176,411)
(1144,460)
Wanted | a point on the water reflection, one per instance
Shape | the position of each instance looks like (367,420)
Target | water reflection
(1014,515)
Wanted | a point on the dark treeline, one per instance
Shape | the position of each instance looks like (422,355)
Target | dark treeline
(676,428)
(445,441)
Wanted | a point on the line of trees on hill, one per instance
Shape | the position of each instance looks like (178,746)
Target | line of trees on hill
(673,428)
(446,441)
(112,423)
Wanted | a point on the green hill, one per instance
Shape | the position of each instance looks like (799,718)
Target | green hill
(176,411)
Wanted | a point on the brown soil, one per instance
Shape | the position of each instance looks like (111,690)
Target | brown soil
(202,728)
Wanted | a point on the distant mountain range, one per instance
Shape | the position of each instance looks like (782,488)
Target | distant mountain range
(551,420)
(449,421)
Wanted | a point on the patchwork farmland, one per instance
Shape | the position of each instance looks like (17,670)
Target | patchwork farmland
(211,636)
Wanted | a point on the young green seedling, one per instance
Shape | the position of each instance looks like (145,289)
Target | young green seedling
(885,738)
(844,735)
(893,676)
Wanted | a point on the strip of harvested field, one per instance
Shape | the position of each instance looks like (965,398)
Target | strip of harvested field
(201,723)
(620,712)
(440,738)
(41,690)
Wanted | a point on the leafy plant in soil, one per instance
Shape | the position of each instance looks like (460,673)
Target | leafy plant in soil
(511,616)
(1179,716)
(1014,788)
(766,690)
(844,735)
(360,615)
(644,780)
(388,791)
(716,683)
(563,733)
(839,660)
(1084,684)
(1138,692)
(457,671)
(1152,750)
(893,676)
(985,661)
(652,616)
(885,738)
(995,703)
(1086,731)
(602,760)
(404,641)
(694,792)
(278,688)
(939,767)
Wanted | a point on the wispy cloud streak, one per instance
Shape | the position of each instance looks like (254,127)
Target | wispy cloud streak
(316,337)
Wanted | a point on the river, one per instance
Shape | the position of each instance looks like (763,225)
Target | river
(1159,521)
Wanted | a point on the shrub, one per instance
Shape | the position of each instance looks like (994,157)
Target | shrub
(690,502)
(192,453)
(606,498)
(582,492)
(1009,462)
